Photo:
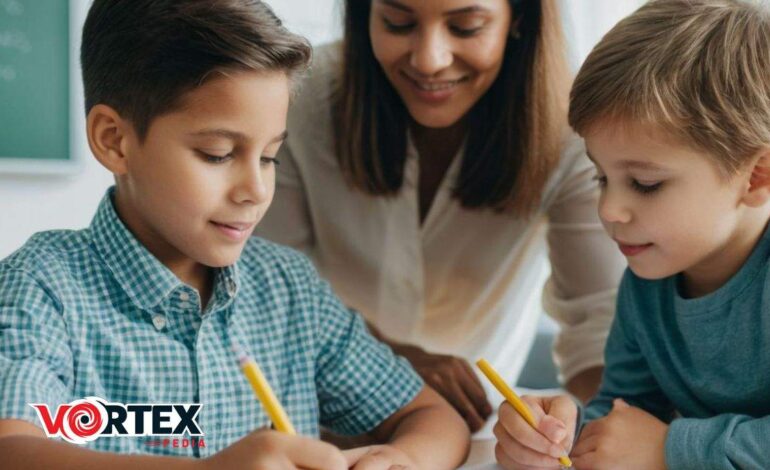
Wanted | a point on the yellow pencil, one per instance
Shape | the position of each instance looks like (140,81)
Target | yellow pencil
(514,400)
(265,394)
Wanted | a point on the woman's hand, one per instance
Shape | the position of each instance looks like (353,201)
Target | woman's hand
(454,379)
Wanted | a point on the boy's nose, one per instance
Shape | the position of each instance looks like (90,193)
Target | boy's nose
(613,211)
(253,187)
(430,53)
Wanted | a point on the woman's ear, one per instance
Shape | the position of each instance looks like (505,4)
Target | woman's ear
(107,137)
(758,192)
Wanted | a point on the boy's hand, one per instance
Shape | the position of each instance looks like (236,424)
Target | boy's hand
(380,457)
(273,450)
(521,447)
(454,379)
(628,438)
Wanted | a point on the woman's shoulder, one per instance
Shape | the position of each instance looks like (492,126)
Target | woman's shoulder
(574,172)
(310,112)
(316,87)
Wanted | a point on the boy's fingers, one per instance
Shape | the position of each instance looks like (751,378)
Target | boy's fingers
(535,405)
(585,461)
(354,455)
(514,426)
(619,404)
(564,413)
(585,445)
(553,429)
(594,427)
(312,454)
(524,455)
(372,462)
(509,463)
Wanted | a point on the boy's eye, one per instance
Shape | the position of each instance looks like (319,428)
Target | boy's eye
(269,160)
(215,158)
(396,27)
(645,187)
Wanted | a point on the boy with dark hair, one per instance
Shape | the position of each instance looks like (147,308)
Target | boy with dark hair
(186,105)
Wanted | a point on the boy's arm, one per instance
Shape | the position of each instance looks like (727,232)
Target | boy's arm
(413,430)
(24,446)
(727,441)
(364,388)
(627,374)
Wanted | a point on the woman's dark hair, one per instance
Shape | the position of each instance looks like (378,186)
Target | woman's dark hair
(514,131)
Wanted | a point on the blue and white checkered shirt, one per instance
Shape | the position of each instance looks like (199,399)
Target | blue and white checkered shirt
(93,313)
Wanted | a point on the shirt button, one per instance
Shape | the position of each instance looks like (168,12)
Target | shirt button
(159,321)
(184,296)
(231,287)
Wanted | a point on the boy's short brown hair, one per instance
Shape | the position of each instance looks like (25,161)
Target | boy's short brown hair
(140,56)
(698,70)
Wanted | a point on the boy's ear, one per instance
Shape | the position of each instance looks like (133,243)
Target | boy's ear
(107,137)
(758,192)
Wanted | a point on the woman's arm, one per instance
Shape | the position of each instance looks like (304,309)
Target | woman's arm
(585,272)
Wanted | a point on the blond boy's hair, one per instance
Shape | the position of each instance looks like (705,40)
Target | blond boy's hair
(698,70)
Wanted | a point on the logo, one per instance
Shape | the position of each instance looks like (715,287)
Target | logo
(86,420)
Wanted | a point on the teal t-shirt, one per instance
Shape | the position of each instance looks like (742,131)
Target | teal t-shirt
(701,364)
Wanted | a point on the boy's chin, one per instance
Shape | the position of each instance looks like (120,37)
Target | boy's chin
(222,259)
(651,273)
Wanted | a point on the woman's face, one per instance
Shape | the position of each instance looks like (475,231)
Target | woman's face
(440,55)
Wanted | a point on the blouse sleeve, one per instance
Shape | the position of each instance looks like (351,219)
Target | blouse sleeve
(585,267)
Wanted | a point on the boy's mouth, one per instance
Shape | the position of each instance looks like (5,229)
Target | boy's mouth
(632,250)
(234,230)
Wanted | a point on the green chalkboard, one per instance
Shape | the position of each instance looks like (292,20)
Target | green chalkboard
(34,82)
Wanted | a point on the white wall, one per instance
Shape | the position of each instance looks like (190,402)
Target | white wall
(30,203)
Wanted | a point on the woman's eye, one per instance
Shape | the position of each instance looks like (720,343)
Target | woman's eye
(645,187)
(269,160)
(465,32)
(397,28)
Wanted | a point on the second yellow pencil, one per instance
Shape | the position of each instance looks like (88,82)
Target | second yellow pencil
(514,400)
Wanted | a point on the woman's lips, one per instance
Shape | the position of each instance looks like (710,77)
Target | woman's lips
(433,91)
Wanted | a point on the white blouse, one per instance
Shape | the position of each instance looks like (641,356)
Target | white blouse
(465,282)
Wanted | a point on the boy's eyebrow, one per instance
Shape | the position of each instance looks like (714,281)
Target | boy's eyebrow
(638,165)
(630,164)
(458,11)
(236,136)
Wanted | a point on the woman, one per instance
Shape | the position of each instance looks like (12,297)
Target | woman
(428,164)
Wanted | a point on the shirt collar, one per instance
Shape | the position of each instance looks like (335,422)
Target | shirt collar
(141,276)
(146,280)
